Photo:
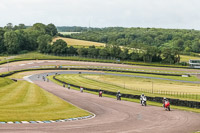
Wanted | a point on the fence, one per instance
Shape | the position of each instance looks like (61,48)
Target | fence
(158,92)
(177,102)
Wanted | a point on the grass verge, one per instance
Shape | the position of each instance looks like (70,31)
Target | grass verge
(23,101)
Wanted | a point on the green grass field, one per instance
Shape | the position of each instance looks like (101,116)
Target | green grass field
(185,58)
(191,78)
(23,101)
(136,86)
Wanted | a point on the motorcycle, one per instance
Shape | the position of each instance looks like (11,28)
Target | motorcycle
(119,96)
(100,93)
(81,89)
(167,105)
(144,101)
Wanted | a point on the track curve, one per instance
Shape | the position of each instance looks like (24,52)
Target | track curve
(111,116)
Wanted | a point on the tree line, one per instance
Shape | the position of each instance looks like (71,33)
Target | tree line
(149,54)
(20,39)
(186,41)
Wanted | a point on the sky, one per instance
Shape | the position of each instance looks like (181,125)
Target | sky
(173,14)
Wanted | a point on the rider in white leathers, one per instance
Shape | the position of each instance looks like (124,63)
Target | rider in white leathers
(141,98)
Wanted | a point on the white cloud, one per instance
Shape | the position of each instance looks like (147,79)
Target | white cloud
(101,13)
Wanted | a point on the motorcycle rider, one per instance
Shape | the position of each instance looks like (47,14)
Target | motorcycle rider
(68,86)
(100,93)
(141,97)
(164,101)
(118,95)
(81,89)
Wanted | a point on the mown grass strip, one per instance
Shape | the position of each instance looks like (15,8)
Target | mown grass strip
(23,101)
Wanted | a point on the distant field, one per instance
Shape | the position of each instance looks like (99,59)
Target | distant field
(68,33)
(75,42)
(23,101)
(185,58)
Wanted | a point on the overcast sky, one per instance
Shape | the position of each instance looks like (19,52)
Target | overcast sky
(182,14)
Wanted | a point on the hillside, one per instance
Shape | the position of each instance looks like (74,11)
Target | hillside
(76,42)
(184,40)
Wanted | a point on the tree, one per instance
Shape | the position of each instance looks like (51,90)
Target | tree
(72,51)
(59,47)
(92,51)
(104,52)
(12,42)
(32,37)
(39,27)
(179,44)
(44,43)
(115,51)
(135,56)
(2,47)
(82,51)
(170,55)
(196,46)
(51,30)
(19,27)
(124,55)
(8,27)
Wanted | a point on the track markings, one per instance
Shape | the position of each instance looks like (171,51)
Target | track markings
(22,64)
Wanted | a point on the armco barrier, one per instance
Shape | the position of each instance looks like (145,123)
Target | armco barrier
(177,102)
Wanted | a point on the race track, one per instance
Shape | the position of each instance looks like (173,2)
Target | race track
(112,116)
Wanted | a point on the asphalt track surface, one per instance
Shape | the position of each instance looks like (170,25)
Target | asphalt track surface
(36,64)
(112,116)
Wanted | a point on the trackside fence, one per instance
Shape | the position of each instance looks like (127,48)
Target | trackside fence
(177,102)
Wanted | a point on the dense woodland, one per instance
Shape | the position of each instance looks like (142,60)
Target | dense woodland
(19,38)
(185,41)
(139,44)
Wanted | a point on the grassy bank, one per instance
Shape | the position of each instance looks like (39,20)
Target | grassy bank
(23,101)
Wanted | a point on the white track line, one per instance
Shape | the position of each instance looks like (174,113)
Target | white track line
(30,63)
(27,78)
(22,64)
